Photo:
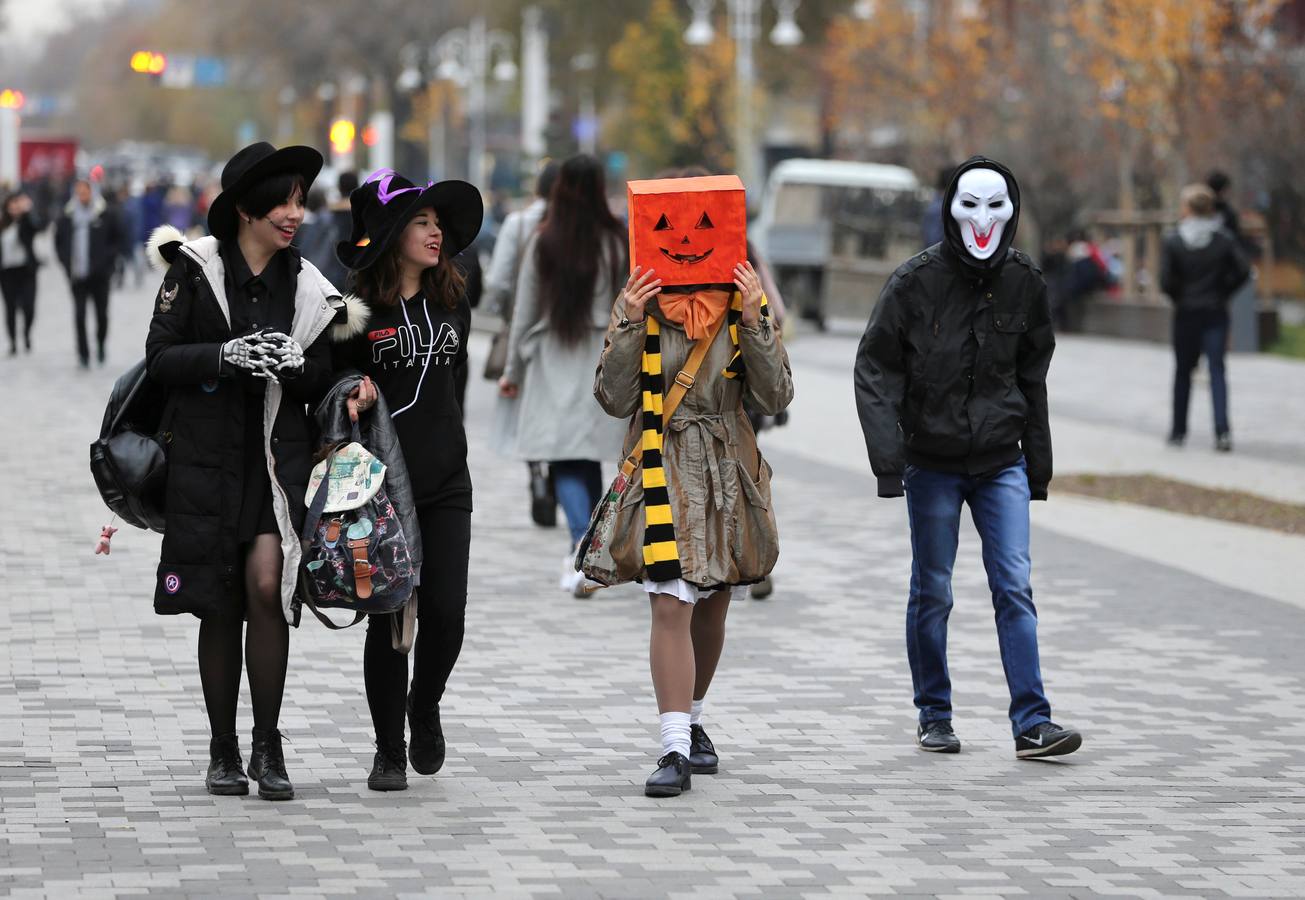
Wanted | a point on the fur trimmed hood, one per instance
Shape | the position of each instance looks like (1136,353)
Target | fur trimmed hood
(163,246)
(357,314)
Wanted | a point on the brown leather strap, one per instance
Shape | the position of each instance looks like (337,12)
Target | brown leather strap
(362,569)
(333,532)
(684,379)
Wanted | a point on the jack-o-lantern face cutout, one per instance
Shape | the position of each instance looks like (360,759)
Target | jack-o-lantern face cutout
(690,230)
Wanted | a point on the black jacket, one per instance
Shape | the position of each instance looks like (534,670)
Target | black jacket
(106,240)
(951,371)
(204,425)
(1205,277)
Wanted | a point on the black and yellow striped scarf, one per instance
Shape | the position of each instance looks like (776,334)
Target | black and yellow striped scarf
(661,556)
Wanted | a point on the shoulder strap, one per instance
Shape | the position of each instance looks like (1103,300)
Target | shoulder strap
(684,380)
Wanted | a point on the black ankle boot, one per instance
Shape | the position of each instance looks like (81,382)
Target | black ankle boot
(389,768)
(225,777)
(426,752)
(267,766)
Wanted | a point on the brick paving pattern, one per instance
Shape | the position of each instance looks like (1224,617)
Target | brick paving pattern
(1189,695)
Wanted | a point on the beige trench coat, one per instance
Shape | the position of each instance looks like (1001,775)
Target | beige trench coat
(719,484)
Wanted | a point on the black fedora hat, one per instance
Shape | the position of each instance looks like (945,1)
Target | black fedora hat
(383,206)
(246,169)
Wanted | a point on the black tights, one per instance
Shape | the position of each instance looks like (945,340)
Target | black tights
(266,645)
(441,611)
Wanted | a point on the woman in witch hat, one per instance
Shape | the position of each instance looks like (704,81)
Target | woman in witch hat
(407,334)
(234,339)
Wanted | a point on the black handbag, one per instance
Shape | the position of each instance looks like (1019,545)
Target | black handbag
(129,461)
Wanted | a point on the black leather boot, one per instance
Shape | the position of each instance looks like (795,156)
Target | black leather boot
(267,766)
(225,777)
(671,778)
(426,750)
(389,768)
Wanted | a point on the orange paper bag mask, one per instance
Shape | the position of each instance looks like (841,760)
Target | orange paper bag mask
(690,230)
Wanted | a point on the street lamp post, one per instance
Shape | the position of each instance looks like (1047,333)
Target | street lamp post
(464,56)
(744,29)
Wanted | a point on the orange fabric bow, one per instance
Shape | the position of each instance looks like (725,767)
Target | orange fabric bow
(697,311)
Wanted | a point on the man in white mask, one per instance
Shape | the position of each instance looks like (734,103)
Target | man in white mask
(951,392)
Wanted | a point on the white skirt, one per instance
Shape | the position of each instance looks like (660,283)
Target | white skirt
(691,593)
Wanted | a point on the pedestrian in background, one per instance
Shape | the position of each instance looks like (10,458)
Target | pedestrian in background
(1202,265)
(331,226)
(500,291)
(236,341)
(951,389)
(88,238)
(18,264)
(570,270)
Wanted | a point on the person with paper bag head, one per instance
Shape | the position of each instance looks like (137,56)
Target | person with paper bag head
(690,514)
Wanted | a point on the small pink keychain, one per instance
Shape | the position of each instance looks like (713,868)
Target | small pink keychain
(106,535)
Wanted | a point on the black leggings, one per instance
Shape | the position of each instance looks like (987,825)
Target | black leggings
(96,290)
(18,285)
(441,614)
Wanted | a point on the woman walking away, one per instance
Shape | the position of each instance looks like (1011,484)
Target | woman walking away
(235,340)
(571,269)
(1201,266)
(18,264)
(407,335)
(705,526)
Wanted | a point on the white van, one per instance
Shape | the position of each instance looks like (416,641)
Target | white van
(833,231)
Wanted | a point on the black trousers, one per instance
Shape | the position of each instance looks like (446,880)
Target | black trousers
(1196,333)
(96,289)
(18,285)
(441,615)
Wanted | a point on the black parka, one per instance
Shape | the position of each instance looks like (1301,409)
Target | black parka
(951,371)
(203,422)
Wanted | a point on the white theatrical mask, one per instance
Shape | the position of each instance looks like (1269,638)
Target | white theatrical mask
(982,208)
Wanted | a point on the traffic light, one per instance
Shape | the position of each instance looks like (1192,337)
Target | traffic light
(146,62)
(342,134)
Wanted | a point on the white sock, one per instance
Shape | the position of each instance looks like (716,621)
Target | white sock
(695,712)
(675,733)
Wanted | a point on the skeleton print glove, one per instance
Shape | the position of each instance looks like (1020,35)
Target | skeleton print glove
(240,353)
(286,357)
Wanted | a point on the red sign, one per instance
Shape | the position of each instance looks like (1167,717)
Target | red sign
(39,159)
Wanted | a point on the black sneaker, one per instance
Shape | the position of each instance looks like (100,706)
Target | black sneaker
(426,749)
(389,768)
(702,754)
(671,778)
(1047,739)
(1223,443)
(938,737)
(1176,440)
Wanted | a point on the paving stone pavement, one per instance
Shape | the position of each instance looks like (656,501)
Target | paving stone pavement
(1190,696)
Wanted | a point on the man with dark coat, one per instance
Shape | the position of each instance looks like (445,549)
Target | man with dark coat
(88,239)
(951,392)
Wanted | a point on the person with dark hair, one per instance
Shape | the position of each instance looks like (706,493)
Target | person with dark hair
(406,334)
(18,264)
(87,239)
(235,340)
(1219,182)
(327,228)
(571,269)
(1202,264)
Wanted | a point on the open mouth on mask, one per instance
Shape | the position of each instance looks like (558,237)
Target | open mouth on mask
(982,240)
(685,259)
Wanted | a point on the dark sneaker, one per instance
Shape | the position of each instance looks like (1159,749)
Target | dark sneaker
(1223,443)
(389,768)
(702,755)
(1176,440)
(671,778)
(762,589)
(938,737)
(225,777)
(426,748)
(267,766)
(1047,739)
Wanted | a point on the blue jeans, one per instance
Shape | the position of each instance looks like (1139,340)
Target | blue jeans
(579,486)
(1198,332)
(1000,508)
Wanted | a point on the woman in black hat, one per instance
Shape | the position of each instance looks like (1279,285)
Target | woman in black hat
(234,338)
(407,332)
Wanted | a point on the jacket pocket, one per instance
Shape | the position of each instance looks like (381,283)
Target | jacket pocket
(754,534)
